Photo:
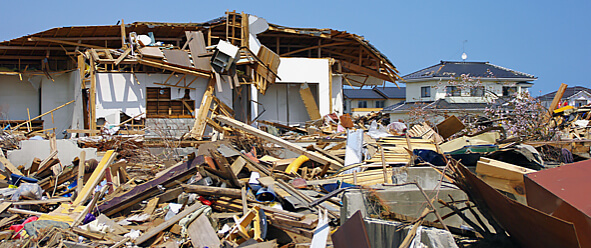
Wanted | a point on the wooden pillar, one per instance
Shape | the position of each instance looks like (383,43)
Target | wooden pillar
(92,95)
(123,34)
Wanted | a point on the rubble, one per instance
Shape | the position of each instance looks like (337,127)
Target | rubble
(336,181)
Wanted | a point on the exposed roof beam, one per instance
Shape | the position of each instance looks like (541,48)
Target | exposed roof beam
(24,57)
(30,48)
(65,42)
(315,47)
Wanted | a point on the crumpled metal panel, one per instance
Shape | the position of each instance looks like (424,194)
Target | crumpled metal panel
(563,192)
(528,226)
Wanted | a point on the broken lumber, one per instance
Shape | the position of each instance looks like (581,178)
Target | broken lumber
(95,178)
(179,172)
(278,141)
(164,225)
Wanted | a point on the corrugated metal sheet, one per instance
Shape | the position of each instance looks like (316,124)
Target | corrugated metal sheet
(563,192)
(528,226)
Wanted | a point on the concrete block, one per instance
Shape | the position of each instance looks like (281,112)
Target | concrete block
(387,234)
(67,150)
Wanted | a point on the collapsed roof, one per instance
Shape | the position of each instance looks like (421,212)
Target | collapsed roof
(55,49)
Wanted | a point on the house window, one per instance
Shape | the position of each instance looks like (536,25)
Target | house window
(160,105)
(477,91)
(509,91)
(380,104)
(362,104)
(580,103)
(426,91)
(453,91)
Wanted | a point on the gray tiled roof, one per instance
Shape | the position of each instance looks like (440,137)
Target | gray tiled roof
(392,92)
(448,69)
(376,93)
(567,93)
(440,104)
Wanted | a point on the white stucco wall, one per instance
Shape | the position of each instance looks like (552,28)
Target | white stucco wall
(56,93)
(297,71)
(16,96)
(438,90)
(120,92)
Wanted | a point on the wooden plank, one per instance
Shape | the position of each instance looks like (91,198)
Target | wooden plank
(164,225)
(278,141)
(41,202)
(309,102)
(81,168)
(8,165)
(151,206)
(4,206)
(95,178)
(122,56)
(46,113)
(202,233)
(557,98)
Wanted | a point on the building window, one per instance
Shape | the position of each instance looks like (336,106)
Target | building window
(453,91)
(509,91)
(380,104)
(580,103)
(477,91)
(160,105)
(362,104)
(426,91)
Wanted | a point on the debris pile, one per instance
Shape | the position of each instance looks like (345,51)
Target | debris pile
(333,181)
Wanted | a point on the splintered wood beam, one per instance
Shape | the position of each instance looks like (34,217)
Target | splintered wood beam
(65,42)
(557,98)
(278,141)
(201,116)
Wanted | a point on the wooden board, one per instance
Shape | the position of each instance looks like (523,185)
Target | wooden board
(502,176)
(10,166)
(95,178)
(198,47)
(177,57)
(309,102)
(449,127)
(557,98)
(202,233)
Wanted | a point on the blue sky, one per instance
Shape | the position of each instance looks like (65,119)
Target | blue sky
(549,39)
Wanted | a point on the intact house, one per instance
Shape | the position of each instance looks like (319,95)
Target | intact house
(360,102)
(172,77)
(576,96)
(457,88)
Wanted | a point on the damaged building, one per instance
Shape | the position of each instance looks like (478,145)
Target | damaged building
(167,74)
